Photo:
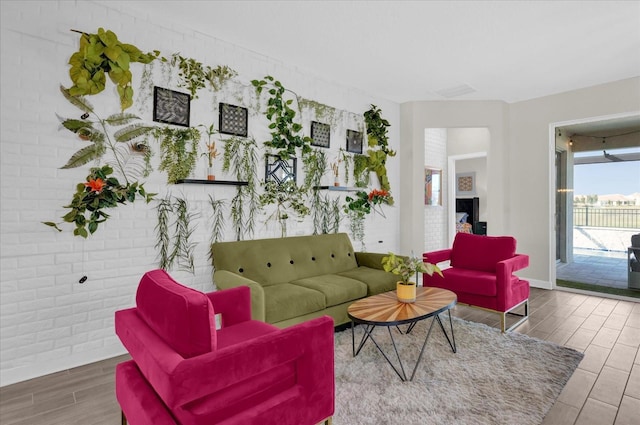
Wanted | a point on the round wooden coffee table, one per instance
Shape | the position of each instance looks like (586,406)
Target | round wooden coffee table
(385,310)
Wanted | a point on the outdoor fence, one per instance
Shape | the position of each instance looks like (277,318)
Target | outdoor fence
(621,218)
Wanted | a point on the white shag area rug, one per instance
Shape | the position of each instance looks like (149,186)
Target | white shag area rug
(493,378)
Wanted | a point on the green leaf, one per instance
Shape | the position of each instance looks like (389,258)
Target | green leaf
(131,132)
(52,224)
(121,119)
(78,101)
(81,157)
(75,125)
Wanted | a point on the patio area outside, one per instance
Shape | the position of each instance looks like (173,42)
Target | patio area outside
(599,257)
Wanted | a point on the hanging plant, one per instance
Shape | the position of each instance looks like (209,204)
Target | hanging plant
(361,170)
(216,219)
(100,55)
(194,75)
(314,166)
(378,142)
(288,198)
(176,247)
(178,151)
(240,158)
(99,192)
(286,135)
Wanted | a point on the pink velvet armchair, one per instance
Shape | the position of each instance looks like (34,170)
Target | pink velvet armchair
(481,274)
(187,370)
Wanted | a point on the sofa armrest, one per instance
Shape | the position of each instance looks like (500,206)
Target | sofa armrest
(233,304)
(435,257)
(308,344)
(224,279)
(372,260)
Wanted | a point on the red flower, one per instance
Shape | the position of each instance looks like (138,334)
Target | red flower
(375,193)
(96,185)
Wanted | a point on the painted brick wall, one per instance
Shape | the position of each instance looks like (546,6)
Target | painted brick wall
(435,217)
(48,321)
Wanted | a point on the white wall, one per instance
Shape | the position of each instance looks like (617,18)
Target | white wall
(520,172)
(435,216)
(48,321)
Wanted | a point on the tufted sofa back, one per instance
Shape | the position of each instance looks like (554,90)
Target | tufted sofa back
(278,260)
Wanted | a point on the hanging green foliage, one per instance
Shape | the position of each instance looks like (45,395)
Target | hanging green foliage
(378,142)
(286,135)
(175,247)
(194,75)
(100,55)
(288,198)
(100,191)
(178,151)
(240,158)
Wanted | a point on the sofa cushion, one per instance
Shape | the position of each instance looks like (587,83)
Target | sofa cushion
(336,289)
(377,281)
(469,281)
(285,301)
(190,329)
(482,253)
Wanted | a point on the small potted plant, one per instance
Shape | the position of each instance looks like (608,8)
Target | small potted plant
(211,153)
(407,268)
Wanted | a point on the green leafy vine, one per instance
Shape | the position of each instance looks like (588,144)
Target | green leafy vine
(286,135)
(100,55)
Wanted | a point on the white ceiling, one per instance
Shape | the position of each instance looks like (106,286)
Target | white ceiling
(416,50)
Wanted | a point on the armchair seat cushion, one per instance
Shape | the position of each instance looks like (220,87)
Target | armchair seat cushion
(243,332)
(285,300)
(335,288)
(470,281)
(376,280)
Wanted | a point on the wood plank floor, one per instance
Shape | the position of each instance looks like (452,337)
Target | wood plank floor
(604,390)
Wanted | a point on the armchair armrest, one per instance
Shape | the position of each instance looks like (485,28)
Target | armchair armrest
(515,263)
(233,304)
(436,257)
(224,279)
(308,344)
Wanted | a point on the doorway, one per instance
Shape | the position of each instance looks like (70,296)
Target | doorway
(591,234)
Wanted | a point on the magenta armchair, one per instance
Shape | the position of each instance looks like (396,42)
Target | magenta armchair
(481,274)
(187,370)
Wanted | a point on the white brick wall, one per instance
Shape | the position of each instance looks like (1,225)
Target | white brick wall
(48,321)
(435,217)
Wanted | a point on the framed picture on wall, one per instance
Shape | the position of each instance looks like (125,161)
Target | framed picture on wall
(432,186)
(465,184)
(171,107)
(354,141)
(234,120)
(320,134)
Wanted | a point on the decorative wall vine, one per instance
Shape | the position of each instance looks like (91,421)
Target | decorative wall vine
(286,112)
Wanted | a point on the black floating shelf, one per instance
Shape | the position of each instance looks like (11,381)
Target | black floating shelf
(339,188)
(196,181)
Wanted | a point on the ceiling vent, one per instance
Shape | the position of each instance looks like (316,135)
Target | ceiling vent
(456,91)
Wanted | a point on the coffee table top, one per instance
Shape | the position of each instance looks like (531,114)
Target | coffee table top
(385,309)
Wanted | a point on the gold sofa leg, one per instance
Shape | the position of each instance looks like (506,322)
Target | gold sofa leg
(328,421)
(124,418)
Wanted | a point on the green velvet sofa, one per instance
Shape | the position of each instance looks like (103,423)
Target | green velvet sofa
(298,278)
